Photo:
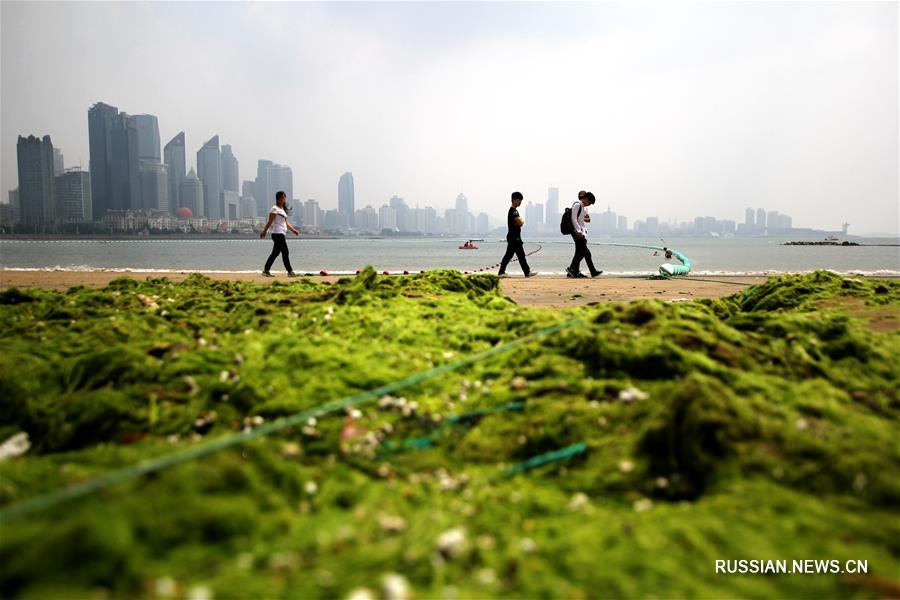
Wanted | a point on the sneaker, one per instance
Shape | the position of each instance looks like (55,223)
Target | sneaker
(502,275)
(292,274)
(575,274)
(597,274)
(267,274)
(530,274)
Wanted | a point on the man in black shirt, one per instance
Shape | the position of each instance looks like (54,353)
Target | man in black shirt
(514,237)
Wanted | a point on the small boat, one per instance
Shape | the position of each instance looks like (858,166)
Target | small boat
(468,246)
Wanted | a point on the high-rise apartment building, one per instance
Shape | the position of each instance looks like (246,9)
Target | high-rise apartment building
(113,144)
(346,194)
(59,163)
(174,158)
(191,193)
(147,137)
(154,186)
(230,176)
(73,196)
(553,215)
(209,171)
(37,200)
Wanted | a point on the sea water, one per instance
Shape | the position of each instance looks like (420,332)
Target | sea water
(548,255)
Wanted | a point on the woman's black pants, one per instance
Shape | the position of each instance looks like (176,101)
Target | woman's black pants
(280,247)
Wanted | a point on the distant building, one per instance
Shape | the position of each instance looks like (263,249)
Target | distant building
(59,163)
(73,196)
(367,219)
(749,221)
(311,213)
(651,225)
(346,194)
(13,210)
(607,221)
(248,207)
(553,214)
(36,181)
(174,157)
(534,217)
(231,203)
(622,224)
(147,137)
(482,223)
(209,170)
(191,193)
(230,176)
(154,185)
(404,220)
(387,217)
(761,219)
(270,179)
(113,144)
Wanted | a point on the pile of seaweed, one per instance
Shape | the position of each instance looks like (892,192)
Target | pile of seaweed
(759,426)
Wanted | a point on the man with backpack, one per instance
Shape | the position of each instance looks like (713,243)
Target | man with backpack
(514,238)
(573,223)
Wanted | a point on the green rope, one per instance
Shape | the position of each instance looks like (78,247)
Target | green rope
(390,447)
(543,459)
(77,490)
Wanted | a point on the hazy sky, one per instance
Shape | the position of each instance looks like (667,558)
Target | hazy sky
(674,111)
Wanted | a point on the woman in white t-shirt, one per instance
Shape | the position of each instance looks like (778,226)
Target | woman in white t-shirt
(278,221)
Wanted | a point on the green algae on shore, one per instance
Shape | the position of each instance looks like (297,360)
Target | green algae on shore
(763,425)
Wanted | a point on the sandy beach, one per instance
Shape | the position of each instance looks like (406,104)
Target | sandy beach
(537,291)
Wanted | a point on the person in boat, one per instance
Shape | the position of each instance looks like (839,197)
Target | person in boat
(579,236)
(514,245)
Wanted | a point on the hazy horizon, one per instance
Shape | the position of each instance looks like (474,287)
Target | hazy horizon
(672,111)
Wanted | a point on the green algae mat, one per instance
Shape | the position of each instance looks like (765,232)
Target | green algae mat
(622,455)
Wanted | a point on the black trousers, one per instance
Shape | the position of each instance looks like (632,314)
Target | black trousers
(280,247)
(582,252)
(514,247)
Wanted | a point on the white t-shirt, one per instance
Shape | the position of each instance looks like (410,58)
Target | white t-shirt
(280,223)
(578,218)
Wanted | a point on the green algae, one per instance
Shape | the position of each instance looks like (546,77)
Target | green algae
(762,425)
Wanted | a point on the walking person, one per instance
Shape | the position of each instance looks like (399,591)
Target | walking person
(278,221)
(514,244)
(579,235)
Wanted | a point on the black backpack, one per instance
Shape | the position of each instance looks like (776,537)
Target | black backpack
(565,225)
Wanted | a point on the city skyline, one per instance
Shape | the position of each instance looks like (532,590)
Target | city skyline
(667,110)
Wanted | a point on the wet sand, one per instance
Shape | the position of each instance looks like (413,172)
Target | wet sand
(537,291)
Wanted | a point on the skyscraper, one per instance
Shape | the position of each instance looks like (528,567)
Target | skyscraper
(173,155)
(148,137)
(37,199)
(113,138)
(230,176)
(154,185)
(346,194)
(59,163)
(191,193)
(73,196)
(553,215)
(761,219)
(262,188)
(462,203)
(748,218)
(209,170)
(280,179)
